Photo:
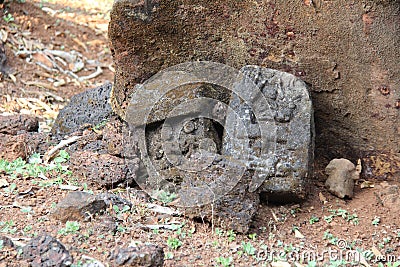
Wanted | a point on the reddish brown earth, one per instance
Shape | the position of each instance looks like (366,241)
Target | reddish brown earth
(26,203)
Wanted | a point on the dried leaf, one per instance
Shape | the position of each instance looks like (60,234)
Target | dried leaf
(376,252)
(59,83)
(322,198)
(79,42)
(12,77)
(3,35)
(297,234)
(42,58)
(68,187)
(41,84)
(367,184)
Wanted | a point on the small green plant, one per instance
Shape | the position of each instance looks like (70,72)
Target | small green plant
(231,235)
(119,211)
(8,227)
(62,157)
(100,125)
(8,18)
(121,229)
(218,232)
(174,243)
(169,256)
(71,227)
(248,248)
(352,218)
(330,237)
(225,262)
(1,244)
(253,236)
(27,229)
(314,219)
(166,197)
(376,221)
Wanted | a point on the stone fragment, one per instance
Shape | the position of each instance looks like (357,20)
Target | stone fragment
(18,123)
(278,115)
(46,251)
(144,255)
(341,176)
(22,145)
(78,206)
(90,107)
(100,170)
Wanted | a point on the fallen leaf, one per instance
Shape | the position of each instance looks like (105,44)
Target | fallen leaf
(68,187)
(322,198)
(367,184)
(12,77)
(297,234)
(376,252)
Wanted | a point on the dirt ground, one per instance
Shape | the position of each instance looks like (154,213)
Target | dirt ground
(323,231)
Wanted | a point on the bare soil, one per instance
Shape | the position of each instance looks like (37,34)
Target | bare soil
(324,226)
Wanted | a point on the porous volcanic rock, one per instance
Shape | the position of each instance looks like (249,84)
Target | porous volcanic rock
(87,108)
(18,123)
(46,251)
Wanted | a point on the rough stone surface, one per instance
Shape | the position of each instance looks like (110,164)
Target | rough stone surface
(18,123)
(185,150)
(280,127)
(353,86)
(97,158)
(88,108)
(113,200)
(388,196)
(100,170)
(341,176)
(78,206)
(145,255)
(46,251)
(105,224)
(22,145)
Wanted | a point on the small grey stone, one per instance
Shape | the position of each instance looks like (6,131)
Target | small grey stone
(341,175)
(145,255)
(78,205)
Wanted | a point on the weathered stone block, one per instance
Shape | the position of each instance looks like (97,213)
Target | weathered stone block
(280,126)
